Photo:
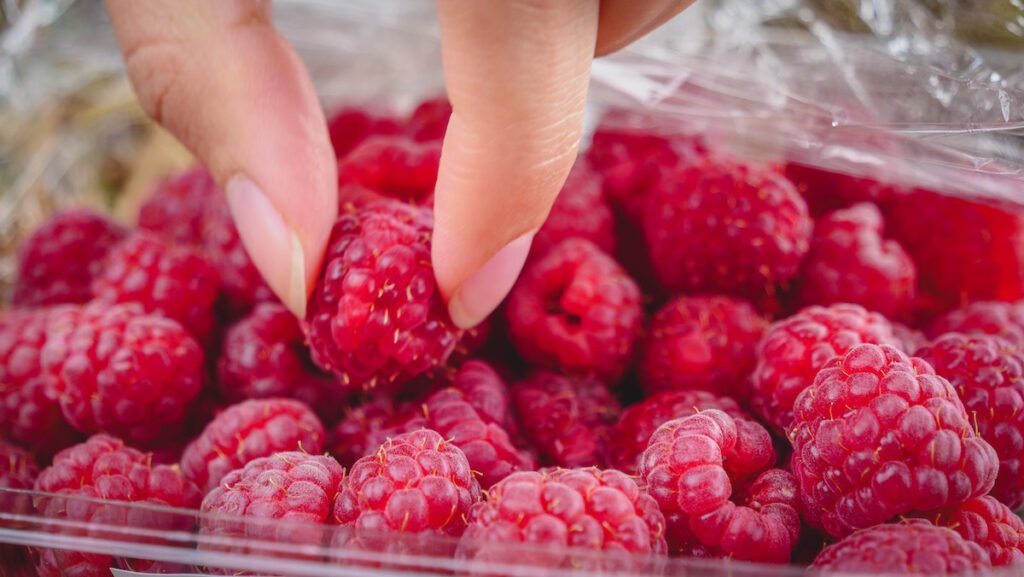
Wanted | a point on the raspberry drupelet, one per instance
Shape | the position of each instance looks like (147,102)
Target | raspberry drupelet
(879,434)
(376,318)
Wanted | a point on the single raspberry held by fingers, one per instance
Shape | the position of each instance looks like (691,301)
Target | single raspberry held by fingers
(176,207)
(376,318)
(106,471)
(57,263)
(721,226)
(794,349)
(167,280)
(576,311)
(988,374)
(393,166)
(119,371)
(568,420)
(701,342)
(628,439)
(265,355)
(850,262)
(580,211)
(415,484)
(565,515)
(29,413)
(911,547)
(879,435)
(685,470)
(249,430)
(1000,319)
(989,523)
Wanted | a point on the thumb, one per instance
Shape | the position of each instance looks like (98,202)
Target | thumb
(517,73)
(224,82)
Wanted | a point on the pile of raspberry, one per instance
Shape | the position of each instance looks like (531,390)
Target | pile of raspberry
(705,356)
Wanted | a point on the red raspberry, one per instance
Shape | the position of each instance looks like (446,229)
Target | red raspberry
(1004,320)
(241,282)
(580,211)
(628,439)
(563,514)
(567,420)
(18,471)
(249,430)
(430,119)
(351,126)
(909,339)
(825,190)
(393,166)
(376,318)
(415,484)
(722,226)
(978,256)
(264,355)
(117,371)
(685,467)
(911,547)
(369,425)
(28,414)
(171,281)
(850,262)
(103,468)
(175,209)
(989,523)
(701,342)
(795,348)
(988,374)
(576,311)
(879,435)
(286,498)
(57,263)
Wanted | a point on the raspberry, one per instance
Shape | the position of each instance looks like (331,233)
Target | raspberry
(241,282)
(794,349)
(393,166)
(103,468)
(369,425)
(286,498)
(909,339)
(685,469)
(18,471)
(376,318)
(978,256)
(825,190)
(416,484)
(430,119)
(146,270)
(567,420)
(249,430)
(628,439)
(989,523)
(565,515)
(576,311)
(28,414)
(351,126)
(911,547)
(701,342)
(1004,320)
(850,262)
(877,435)
(57,263)
(726,227)
(988,374)
(117,371)
(175,209)
(264,355)
(580,211)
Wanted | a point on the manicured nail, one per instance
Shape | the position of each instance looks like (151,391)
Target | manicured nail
(481,293)
(273,246)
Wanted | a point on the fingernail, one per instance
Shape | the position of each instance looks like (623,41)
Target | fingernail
(483,292)
(273,246)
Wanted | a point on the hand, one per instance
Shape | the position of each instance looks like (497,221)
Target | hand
(220,78)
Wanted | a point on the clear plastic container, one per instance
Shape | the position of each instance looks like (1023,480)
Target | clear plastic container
(906,104)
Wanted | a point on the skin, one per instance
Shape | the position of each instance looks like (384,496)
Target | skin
(220,78)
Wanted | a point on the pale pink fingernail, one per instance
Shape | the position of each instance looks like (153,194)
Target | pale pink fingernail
(273,245)
(481,293)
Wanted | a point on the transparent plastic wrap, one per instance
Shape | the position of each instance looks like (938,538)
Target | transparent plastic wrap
(883,92)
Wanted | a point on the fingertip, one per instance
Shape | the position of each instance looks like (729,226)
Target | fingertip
(482,293)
